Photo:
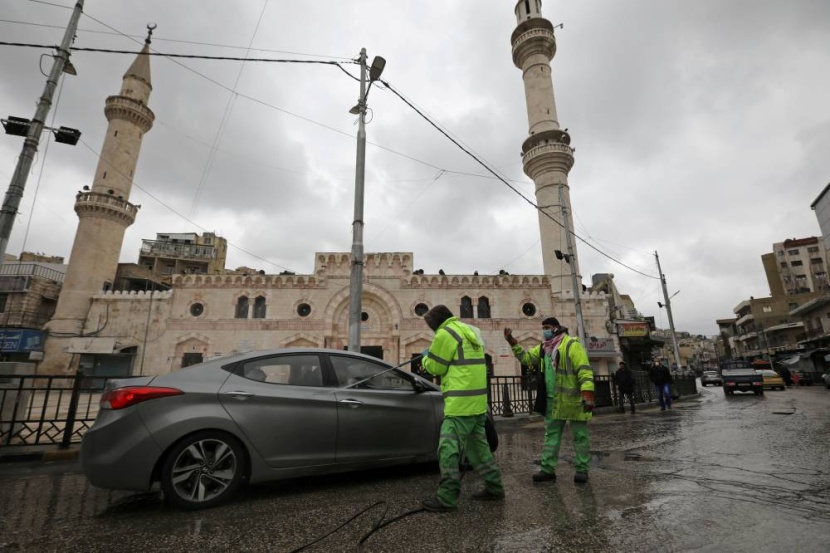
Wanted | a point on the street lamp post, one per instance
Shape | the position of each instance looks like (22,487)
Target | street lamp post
(14,194)
(356,279)
(668,309)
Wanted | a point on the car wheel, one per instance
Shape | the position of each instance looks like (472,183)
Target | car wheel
(203,470)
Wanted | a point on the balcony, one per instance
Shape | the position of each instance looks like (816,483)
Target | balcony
(175,250)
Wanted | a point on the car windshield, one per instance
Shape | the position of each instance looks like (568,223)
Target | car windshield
(710,373)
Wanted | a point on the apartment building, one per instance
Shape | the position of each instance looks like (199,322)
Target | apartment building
(184,253)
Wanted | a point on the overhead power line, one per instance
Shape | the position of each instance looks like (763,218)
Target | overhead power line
(150,194)
(506,183)
(177,41)
(168,55)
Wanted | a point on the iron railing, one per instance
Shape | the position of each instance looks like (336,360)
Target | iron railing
(59,409)
(509,395)
(48,410)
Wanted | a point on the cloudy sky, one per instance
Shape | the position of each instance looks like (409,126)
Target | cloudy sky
(701,129)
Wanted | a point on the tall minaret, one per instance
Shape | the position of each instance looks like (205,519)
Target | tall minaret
(104,212)
(546,154)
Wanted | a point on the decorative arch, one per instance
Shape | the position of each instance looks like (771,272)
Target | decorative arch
(340,302)
(302,340)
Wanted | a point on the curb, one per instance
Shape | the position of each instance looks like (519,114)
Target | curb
(50,456)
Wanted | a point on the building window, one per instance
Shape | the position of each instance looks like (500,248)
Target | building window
(812,249)
(767,309)
(242,308)
(528,309)
(259,307)
(797,263)
(780,252)
(784,264)
(421,309)
(303,310)
(816,260)
(483,308)
(364,316)
(792,252)
(197,309)
(466,308)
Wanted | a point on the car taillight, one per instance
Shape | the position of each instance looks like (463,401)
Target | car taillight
(130,395)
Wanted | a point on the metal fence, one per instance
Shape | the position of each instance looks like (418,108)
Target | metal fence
(47,409)
(58,410)
(509,395)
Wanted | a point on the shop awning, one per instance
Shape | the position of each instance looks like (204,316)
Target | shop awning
(91,345)
(791,360)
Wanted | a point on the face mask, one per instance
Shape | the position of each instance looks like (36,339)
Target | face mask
(547,333)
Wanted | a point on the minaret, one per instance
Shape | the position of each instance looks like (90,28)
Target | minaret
(546,154)
(104,212)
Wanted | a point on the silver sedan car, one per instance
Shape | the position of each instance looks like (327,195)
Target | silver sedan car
(204,430)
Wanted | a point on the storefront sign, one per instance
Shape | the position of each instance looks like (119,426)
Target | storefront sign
(20,340)
(632,330)
(598,344)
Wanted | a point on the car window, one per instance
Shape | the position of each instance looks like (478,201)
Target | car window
(350,370)
(291,370)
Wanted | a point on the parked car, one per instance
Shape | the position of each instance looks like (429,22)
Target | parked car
(826,378)
(804,378)
(772,380)
(711,377)
(204,430)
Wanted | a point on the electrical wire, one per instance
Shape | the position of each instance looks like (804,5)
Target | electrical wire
(173,40)
(220,132)
(169,55)
(510,186)
(243,250)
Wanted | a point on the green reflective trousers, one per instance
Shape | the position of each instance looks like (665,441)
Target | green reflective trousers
(554,429)
(465,436)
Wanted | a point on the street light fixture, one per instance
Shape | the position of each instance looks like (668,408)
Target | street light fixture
(356,280)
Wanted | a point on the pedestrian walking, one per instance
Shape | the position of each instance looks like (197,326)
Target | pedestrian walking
(456,355)
(569,395)
(625,386)
(662,379)
(796,379)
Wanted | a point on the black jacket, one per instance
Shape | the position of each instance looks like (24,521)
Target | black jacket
(661,375)
(625,380)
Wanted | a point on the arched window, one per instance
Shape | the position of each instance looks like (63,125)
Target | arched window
(466,308)
(259,307)
(242,308)
(483,308)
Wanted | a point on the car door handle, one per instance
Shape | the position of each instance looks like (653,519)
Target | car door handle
(238,395)
(352,402)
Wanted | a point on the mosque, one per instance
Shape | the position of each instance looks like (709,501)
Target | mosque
(108,329)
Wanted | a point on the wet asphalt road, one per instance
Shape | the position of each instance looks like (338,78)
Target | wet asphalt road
(745,473)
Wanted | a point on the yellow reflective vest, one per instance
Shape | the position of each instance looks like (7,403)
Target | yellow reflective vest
(565,384)
(457,356)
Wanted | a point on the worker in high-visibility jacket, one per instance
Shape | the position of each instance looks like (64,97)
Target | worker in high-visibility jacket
(456,355)
(569,385)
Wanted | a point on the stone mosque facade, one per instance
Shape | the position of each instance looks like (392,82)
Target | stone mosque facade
(207,316)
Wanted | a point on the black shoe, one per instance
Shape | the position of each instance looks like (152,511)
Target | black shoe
(580,477)
(542,476)
(487,495)
(434,505)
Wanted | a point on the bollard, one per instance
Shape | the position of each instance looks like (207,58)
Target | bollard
(507,410)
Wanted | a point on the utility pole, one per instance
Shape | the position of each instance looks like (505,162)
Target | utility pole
(356,282)
(668,310)
(570,259)
(11,203)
